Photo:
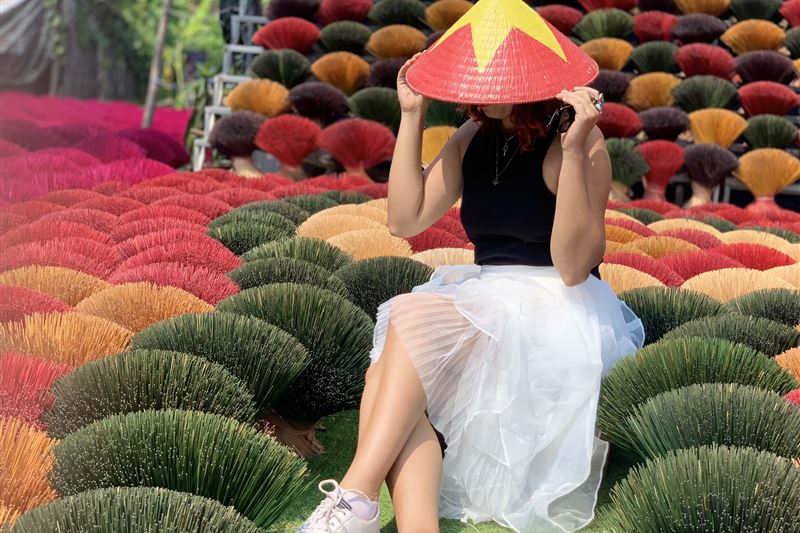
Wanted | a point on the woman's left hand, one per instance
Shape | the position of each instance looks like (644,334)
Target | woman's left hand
(586,114)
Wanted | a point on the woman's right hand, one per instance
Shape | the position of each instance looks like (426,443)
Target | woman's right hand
(410,100)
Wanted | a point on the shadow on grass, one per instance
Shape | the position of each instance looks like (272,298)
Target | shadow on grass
(339,438)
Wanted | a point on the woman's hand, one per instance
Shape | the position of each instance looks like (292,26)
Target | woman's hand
(586,115)
(410,100)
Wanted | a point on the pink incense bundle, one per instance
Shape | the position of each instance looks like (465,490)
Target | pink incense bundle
(111,148)
(648,265)
(665,159)
(46,230)
(238,196)
(165,211)
(755,256)
(358,144)
(693,262)
(116,205)
(267,182)
(736,214)
(210,254)
(148,225)
(98,220)
(33,209)
(434,238)
(659,206)
(636,227)
(25,386)
(376,190)
(701,238)
(85,255)
(127,171)
(452,225)
(211,207)
(298,189)
(17,302)
(793,396)
(161,237)
(204,283)
(9,149)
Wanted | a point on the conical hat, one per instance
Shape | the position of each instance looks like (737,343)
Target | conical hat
(500,52)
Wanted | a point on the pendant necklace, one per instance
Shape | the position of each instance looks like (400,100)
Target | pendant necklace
(497,171)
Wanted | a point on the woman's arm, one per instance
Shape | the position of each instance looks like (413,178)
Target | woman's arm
(578,240)
(417,199)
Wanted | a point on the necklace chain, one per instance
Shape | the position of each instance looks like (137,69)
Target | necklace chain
(497,171)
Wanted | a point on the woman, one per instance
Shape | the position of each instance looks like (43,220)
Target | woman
(506,356)
(501,361)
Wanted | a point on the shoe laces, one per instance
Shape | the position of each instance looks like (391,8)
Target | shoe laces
(327,509)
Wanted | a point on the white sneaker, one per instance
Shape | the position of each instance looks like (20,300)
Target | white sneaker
(334,514)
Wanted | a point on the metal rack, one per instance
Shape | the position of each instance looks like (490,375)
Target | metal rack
(244,24)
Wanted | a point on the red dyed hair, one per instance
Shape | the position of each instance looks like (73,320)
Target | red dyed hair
(529,119)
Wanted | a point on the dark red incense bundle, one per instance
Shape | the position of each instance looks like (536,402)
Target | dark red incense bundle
(619,120)
(653,26)
(561,16)
(665,159)
(290,138)
(358,144)
(770,97)
(702,58)
(791,12)
(335,10)
(289,32)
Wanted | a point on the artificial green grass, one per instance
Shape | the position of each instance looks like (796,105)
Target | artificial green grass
(339,439)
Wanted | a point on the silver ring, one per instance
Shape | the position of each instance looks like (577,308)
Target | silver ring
(598,103)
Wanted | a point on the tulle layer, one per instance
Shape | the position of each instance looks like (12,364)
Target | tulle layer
(511,361)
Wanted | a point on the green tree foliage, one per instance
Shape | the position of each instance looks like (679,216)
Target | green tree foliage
(128,28)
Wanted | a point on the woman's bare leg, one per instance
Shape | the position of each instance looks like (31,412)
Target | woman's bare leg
(395,412)
(372,387)
(414,481)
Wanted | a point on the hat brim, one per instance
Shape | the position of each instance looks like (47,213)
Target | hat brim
(522,70)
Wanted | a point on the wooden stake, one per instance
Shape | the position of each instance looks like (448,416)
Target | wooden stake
(155,65)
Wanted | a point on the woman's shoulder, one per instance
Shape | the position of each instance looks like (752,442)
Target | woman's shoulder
(464,135)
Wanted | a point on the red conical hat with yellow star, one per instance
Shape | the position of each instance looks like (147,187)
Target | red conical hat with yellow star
(500,52)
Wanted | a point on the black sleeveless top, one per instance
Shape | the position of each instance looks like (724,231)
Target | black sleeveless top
(509,223)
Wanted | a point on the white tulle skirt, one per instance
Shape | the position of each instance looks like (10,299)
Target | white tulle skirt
(511,361)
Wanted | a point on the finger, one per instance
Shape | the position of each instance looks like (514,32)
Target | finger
(583,108)
(579,99)
(587,96)
(593,93)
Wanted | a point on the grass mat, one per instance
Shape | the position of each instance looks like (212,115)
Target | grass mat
(339,438)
